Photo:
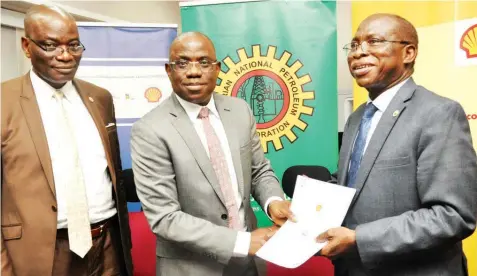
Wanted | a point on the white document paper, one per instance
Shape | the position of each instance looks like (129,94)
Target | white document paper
(317,206)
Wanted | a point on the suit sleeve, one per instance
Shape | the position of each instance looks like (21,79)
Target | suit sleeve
(264,181)
(125,178)
(7,268)
(156,186)
(447,186)
(334,176)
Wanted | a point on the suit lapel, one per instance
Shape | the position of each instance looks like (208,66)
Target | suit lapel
(353,127)
(91,105)
(381,133)
(32,113)
(186,129)
(227,118)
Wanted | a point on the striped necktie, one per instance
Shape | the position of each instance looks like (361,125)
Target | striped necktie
(360,143)
(219,163)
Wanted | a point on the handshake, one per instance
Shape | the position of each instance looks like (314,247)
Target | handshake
(340,240)
(279,211)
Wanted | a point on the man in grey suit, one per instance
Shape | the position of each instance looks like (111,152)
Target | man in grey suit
(197,159)
(408,152)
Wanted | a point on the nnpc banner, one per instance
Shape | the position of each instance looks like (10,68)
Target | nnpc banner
(280,57)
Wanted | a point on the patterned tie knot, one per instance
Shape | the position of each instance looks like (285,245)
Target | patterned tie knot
(204,113)
(369,111)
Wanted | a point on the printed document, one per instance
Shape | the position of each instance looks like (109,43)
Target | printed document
(317,206)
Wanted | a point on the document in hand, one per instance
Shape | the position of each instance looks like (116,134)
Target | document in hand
(317,206)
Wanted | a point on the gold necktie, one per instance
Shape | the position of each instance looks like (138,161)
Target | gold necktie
(79,229)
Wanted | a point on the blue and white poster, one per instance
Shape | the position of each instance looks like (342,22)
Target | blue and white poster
(128,60)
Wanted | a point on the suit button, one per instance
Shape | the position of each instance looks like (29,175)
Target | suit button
(224,216)
(53,207)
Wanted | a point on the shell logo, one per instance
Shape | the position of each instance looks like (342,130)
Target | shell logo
(153,94)
(468,42)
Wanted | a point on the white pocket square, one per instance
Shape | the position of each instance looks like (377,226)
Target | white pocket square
(110,125)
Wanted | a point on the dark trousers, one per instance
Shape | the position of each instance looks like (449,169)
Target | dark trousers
(101,260)
(241,267)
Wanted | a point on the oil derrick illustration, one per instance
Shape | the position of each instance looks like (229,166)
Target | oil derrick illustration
(258,98)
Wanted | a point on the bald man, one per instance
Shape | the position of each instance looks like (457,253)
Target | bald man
(409,154)
(63,207)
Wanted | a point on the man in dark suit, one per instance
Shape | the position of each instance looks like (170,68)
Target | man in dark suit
(63,208)
(408,152)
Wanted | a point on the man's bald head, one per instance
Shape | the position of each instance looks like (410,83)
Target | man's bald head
(193,67)
(39,13)
(50,34)
(191,37)
(386,52)
(403,28)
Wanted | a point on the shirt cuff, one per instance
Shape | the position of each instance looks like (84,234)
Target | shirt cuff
(242,244)
(265,208)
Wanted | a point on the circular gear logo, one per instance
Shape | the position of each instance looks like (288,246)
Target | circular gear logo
(273,90)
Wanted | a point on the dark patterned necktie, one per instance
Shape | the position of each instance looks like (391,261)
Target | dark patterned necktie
(219,163)
(360,144)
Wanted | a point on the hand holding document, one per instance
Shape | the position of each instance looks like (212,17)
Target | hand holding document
(317,206)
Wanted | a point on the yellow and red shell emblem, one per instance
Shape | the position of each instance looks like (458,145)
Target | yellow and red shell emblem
(468,42)
(153,94)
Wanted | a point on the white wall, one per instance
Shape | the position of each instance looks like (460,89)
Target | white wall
(345,81)
(14,63)
(165,12)
(10,62)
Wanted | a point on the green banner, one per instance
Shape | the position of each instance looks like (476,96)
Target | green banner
(280,57)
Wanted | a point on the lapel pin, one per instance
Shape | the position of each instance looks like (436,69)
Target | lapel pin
(91,99)
(396,113)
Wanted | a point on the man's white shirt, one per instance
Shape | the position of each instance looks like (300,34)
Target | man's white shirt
(90,149)
(381,102)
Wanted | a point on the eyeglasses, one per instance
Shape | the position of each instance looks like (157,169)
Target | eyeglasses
(371,44)
(182,66)
(74,50)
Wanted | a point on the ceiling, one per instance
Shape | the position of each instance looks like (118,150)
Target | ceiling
(23,6)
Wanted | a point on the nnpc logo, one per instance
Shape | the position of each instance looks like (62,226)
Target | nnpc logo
(273,90)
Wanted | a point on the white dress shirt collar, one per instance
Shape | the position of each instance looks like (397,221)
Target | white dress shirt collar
(45,91)
(193,109)
(385,98)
